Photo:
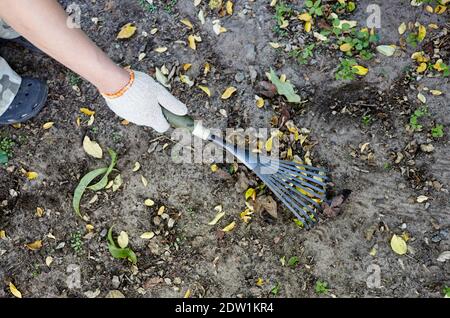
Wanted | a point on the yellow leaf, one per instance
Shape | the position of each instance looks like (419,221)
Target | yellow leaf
(35,245)
(31,175)
(275,45)
(402,28)
(161,210)
(228,92)
(269,144)
(127,31)
(422,33)
(230,227)
(250,193)
(187,294)
(39,212)
(148,235)
(229,7)
(205,89)
(186,66)
(373,251)
(87,111)
(260,102)
(122,239)
(187,23)
(422,68)
(436,92)
(207,69)
(398,245)
(48,261)
(245,215)
(440,9)
(125,122)
(2,234)
(360,70)
(422,98)
(420,57)
(144,181)
(153,31)
(136,167)
(192,42)
(215,4)
(48,125)
(14,291)
(89,228)
(161,49)
(438,66)
(306,17)
(346,47)
(214,168)
(217,218)
(284,24)
(17,125)
(92,148)
(433,26)
(429,9)
(260,282)
(308,26)
(149,202)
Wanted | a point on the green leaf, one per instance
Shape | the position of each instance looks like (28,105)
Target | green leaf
(3,157)
(104,181)
(286,89)
(293,261)
(82,186)
(120,253)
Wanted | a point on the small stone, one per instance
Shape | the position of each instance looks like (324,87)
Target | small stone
(13,193)
(168,281)
(115,294)
(115,282)
(239,77)
(427,148)
(177,281)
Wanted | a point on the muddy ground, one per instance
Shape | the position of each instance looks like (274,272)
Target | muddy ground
(194,255)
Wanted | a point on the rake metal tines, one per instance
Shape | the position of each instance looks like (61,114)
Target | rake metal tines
(300,187)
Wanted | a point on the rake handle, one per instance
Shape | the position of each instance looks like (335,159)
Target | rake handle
(177,121)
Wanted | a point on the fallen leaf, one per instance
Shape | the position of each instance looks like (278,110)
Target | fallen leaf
(218,217)
(422,68)
(117,183)
(402,28)
(346,47)
(122,239)
(31,175)
(39,212)
(127,31)
(228,92)
(92,148)
(14,291)
(144,181)
(422,33)
(398,245)
(230,227)
(2,234)
(306,17)
(48,125)
(259,102)
(205,90)
(187,294)
(149,202)
(284,88)
(268,204)
(187,23)
(387,50)
(137,167)
(259,282)
(422,98)
(148,235)
(360,70)
(436,92)
(421,199)
(48,261)
(161,49)
(250,193)
(229,7)
(444,256)
(214,168)
(246,215)
(37,245)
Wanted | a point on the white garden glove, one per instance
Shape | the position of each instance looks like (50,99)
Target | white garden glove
(142,101)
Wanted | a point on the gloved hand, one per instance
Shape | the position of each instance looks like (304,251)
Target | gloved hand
(141,101)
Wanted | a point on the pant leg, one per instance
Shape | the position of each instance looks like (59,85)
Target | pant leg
(9,85)
(6,32)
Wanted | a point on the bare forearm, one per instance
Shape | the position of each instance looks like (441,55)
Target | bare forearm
(44,23)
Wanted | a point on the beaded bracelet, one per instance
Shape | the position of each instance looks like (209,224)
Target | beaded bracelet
(124,89)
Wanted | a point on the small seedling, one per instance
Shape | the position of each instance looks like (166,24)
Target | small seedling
(276,289)
(170,6)
(438,131)
(321,288)
(314,8)
(293,261)
(414,120)
(74,79)
(345,70)
(303,55)
(6,149)
(150,7)
(76,242)
(446,292)
(366,120)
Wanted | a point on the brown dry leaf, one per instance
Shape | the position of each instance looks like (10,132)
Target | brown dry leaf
(268,204)
(228,92)
(37,245)
(127,31)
